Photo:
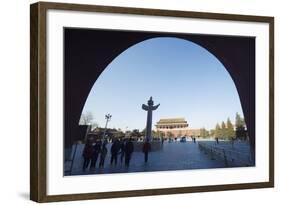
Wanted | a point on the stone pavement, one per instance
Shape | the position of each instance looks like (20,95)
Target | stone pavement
(173,156)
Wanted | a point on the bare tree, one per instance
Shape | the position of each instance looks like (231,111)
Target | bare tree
(86,118)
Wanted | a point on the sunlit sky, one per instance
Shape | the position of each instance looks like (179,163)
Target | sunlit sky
(183,77)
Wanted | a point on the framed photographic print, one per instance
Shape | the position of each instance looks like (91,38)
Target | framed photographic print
(135,102)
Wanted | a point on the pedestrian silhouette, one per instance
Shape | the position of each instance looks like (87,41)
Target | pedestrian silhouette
(87,154)
(129,149)
(162,140)
(145,149)
(114,151)
(122,150)
(232,142)
(95,156)
(103,153)
(217,140)
(97,148)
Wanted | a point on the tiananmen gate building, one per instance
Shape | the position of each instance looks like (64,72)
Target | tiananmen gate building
(176,127)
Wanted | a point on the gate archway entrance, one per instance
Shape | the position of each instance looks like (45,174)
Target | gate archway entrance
(88,52)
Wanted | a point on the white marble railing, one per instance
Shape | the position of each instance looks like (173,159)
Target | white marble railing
(227,154)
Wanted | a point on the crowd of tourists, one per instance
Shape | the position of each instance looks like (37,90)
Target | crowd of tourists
(120,150)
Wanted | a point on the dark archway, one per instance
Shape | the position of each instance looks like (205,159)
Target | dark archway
(88,52)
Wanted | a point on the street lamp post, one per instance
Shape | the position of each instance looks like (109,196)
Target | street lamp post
(89,126)
(107,117)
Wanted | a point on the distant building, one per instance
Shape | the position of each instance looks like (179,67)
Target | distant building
(97,133)
(175,127)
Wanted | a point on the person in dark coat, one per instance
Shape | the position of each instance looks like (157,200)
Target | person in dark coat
(103,154)
(122,150)
(114,151)
(145,149)
(97,148)
(232,142)
(217,140)
(129,149)
(87,154)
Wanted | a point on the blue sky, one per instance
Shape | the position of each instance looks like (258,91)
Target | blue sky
(183,77)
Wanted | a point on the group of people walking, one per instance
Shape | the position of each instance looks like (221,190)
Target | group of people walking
(123,147)
(92,152)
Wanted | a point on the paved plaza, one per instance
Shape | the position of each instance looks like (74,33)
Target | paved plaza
(172,156)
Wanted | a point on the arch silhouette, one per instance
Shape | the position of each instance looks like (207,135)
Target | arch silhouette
(88,53)
(148,66)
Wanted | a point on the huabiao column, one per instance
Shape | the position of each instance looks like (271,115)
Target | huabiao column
(149,108)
